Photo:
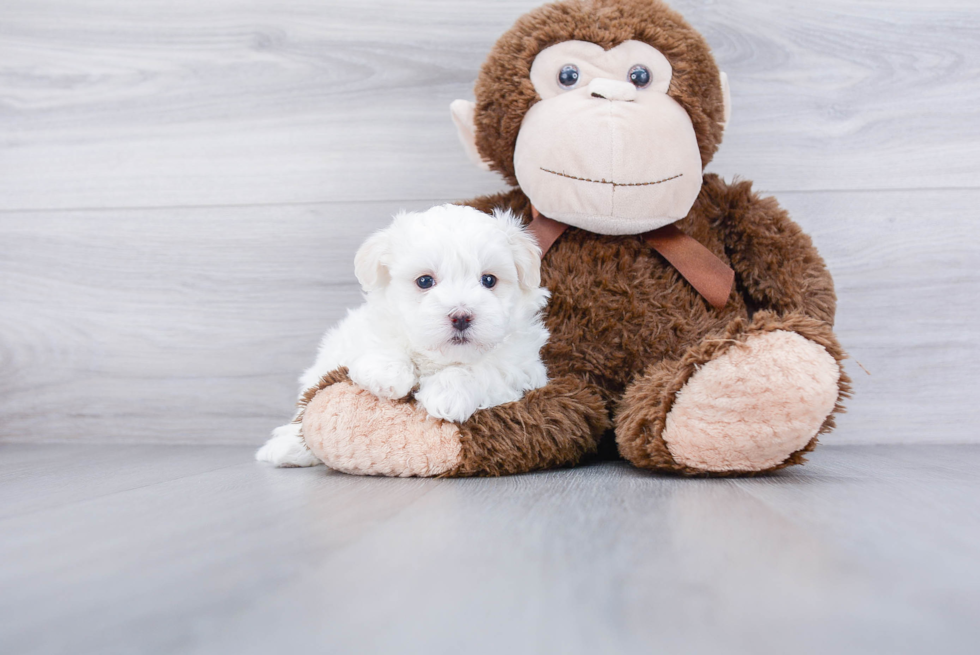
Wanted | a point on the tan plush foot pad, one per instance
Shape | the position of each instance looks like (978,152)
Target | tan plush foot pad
(752,407)
(353,431)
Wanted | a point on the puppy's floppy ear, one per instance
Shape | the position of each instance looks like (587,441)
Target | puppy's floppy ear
(369,262)
(527,254)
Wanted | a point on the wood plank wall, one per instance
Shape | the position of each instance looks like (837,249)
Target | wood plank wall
(183,184)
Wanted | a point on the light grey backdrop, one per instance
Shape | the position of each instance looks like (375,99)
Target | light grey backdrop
(183,184)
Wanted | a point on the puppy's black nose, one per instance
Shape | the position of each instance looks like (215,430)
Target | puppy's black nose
(461,320)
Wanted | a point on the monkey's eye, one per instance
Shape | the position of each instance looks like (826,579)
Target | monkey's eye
(424,281)
(568,75)
(640,76)
(489,281)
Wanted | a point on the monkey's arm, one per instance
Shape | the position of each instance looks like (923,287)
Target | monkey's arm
(553,426)
(354,431)
(774,260)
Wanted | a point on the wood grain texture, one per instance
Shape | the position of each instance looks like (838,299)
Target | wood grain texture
(908,309)
(865,550)
(191,325)
(110,103)
(168,325)
(233,155)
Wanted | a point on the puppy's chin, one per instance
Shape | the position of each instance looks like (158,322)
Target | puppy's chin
(461,348)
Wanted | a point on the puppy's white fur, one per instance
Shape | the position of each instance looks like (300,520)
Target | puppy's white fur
(403,337)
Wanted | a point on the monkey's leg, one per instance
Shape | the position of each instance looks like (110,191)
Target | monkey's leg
(749,400)
(355,432)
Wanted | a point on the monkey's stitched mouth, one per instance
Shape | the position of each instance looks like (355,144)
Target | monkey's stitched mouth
(614,184)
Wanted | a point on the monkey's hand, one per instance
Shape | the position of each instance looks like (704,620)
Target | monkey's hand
(354,431)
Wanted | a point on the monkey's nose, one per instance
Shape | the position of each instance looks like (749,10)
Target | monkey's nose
(461,320)
(608,89)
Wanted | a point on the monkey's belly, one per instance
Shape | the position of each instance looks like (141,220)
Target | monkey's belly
(629,308)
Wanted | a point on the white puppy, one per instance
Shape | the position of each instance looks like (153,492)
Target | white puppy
(452,310)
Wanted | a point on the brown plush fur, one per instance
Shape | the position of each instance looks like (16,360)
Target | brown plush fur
(627,331)
(632,330)
(549,427)
(628,307)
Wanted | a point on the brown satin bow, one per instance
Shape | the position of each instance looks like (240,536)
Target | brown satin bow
(703,270)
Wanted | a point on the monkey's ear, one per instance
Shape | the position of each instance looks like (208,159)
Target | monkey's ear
(462,111)
(369,262)
(726,94)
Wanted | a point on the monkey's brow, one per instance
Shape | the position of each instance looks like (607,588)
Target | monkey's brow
(615,184)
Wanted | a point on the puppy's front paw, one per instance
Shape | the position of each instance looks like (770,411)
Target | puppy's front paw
(383,377)
(286,449)
(447,396)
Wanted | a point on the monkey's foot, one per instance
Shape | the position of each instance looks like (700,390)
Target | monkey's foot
(753,401)
(752,407)
(355,432)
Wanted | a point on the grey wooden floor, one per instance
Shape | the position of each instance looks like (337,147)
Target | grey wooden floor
(177,549)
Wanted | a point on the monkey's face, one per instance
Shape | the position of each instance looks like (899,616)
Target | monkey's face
(606,149)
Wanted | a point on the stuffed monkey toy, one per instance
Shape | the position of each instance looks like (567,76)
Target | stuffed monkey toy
(691,320)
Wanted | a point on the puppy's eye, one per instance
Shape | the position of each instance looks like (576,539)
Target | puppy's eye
(489,281)
(640,76)
(568,75)
(424,281)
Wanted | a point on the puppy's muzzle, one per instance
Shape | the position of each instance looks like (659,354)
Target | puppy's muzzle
(461,320)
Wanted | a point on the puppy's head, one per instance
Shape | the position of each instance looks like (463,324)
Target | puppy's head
(457,281)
